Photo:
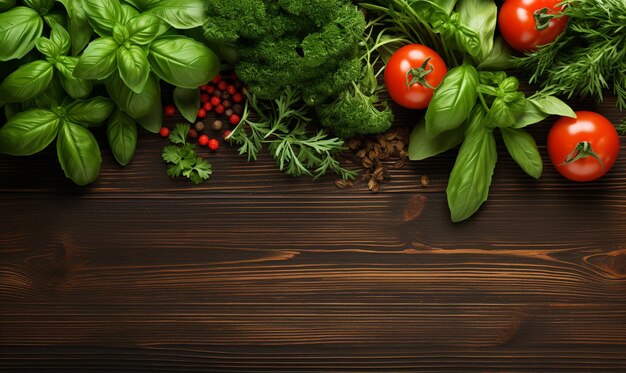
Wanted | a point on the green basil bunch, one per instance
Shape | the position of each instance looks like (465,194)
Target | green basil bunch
(45,91)
(466,109)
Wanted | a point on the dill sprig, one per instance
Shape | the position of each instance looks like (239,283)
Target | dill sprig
(589,58)
(283,125)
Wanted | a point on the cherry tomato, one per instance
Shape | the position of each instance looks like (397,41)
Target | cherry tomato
(412,74)
(202,113)
(583,148)
(203,140)
(164,131)
(528,24)
(214,144)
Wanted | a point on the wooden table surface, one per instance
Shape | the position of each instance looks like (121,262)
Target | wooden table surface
(256,271)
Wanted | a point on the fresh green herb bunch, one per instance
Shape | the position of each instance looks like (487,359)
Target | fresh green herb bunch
(183,159)
(319,49)
(589,57)
(282,125)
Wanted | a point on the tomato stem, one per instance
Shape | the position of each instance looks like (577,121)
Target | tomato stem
(417,75)
(543,18)
(582,150)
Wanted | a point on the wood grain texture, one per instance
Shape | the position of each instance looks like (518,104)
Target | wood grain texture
(258,272)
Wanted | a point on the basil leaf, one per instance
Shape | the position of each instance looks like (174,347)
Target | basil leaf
(103,15)
(78,26)
(75,87)
(61,38)
(26,82)
(28,132)
(553,106)
(471,176)
(492,77)
(499,58)
(47,48)
(122,136)
(10,110)
(188,102)
(128,12)
(133,66)
(54,19)
(144,28)
(532,114)
(453,100)
(19,28)
(51,97)
(133,104)
(41,6)
(422,146)
(480,16)
(181,14)
(90,112)
(429,12)
(79,154)
(503,114)
(6,4)
(182,61)
(98,60)
(447,5)
(153,121)
(523,149)
(143,4)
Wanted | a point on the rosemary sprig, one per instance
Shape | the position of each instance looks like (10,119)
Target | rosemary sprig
(589,58)
(283,125)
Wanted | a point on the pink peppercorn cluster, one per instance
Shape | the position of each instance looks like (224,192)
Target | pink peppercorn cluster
(224,96)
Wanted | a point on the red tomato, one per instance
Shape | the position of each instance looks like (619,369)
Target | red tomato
(412,74)
(585,148)
(527,24)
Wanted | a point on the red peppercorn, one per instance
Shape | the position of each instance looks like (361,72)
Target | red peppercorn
(192,133)
(207,106)
(234,119)
(205,97)
(203,140)
(214,144)
(216,101)
(201,113)
(164,132)
(219,109)
(237,98)
(217,79)
(169,110)
(222,85)
(226,134)
(204,88)
(231,89)
(210,89)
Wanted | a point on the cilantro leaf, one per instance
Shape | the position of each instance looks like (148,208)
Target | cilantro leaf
(179,134)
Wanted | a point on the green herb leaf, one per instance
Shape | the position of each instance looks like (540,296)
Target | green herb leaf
(153,121)
(47,48)
(480,16)
(523,149)
(78,26)
(181,14)
(75,87)
(179,134)
(61,38)
(19,28)
(200,171)
(143,29)
(182,61)
(422,146)
(553,106)
(27,82)
(453,100)
(188,102)
(28,132)
(137,105)
(103,15)
(79,154)
(90,112)
(6,4)
(471,176)
(41,6)
(133,66)
(505,114)
(499,58)
(532,114)
(98,61)
(122,136)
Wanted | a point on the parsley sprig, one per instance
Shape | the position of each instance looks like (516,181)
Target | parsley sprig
(283,125)
(183,159)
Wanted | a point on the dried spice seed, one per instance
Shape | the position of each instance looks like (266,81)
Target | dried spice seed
(342,184)
(425,180)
